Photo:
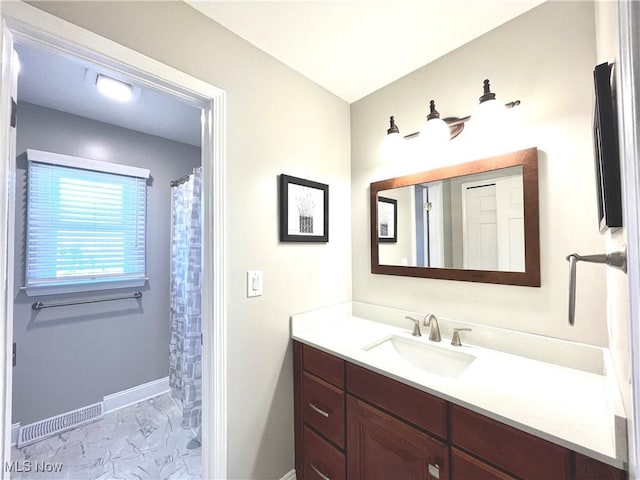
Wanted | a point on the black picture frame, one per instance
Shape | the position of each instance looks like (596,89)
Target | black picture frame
(304,210)
(607,162)
(384,236)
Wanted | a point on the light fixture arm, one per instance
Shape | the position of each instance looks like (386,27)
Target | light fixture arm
(454,122)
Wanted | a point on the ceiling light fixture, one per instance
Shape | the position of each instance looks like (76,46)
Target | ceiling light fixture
(486,113)
(114,89)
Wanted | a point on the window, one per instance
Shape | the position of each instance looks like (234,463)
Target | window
(85,224)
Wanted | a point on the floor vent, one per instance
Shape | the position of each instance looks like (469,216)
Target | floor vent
(54,425)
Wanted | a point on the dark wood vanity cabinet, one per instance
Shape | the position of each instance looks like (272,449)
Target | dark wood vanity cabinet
(353,423)
(382,447)
(319,410)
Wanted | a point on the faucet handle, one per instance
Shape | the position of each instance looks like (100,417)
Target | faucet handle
(416,326)
(455,340)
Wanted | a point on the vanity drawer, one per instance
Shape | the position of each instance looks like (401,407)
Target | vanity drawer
(323,365)
(323,408)
(466,467)
(413,405)
(517,452)
(322,458)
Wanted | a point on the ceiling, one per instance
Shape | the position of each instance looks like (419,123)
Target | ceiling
(61,83)
(350,47)
(354,47)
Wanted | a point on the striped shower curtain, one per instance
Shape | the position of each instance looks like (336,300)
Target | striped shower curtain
(185,349)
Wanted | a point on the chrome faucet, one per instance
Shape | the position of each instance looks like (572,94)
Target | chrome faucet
(416,326)
(431,321)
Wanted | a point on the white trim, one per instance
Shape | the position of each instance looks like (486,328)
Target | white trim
(15,429)
(32,25)
(85,163)
(8,80)
(290,475)
(78,286)
(137,394)
(629,134)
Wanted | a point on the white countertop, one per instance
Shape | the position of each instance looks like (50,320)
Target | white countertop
(569,407)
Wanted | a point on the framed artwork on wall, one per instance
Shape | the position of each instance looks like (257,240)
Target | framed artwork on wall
(387,220)
(607,162)
(304,210)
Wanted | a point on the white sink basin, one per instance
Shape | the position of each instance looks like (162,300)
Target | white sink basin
(428,357)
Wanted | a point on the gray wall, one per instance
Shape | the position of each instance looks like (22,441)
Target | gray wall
(72,356)
(277,122)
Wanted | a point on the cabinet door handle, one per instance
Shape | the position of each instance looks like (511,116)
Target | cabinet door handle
(434,470)
(321,412)
(320,474)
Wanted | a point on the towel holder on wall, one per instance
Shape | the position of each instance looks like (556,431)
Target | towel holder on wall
(39,305)
(614,259)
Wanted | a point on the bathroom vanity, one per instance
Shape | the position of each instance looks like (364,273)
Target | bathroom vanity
(363,412)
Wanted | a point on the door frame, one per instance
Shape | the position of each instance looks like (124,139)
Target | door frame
(27,24)
(628,78)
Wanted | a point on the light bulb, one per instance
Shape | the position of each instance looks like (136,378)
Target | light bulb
(489,117)
(393,145)
(114,89)
(435,133)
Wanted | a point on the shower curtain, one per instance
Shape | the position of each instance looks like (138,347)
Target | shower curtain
(185,349)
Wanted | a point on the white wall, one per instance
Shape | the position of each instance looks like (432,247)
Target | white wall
(278,122)
(544,58)
(607,48)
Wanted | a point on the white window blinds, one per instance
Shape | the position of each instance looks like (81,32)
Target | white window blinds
(85,227)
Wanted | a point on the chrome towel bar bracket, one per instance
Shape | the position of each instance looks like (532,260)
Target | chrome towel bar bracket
(614,259)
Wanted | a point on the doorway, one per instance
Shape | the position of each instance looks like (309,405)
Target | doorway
(25,24)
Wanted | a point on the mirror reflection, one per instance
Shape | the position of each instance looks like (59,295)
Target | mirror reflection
(468,222)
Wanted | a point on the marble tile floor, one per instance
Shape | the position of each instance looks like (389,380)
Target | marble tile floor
(143,441)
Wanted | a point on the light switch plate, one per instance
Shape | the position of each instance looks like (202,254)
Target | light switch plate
(254,283)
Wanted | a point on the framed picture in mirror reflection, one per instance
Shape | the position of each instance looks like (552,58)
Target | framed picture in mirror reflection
(387,220)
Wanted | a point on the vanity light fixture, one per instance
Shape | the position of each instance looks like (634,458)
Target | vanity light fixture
(486,113)
(435,131)
(114,89)
(394,142)
(489,111)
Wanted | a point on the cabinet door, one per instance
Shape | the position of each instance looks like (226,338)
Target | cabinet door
(590,469)
(380,447)
(466,467)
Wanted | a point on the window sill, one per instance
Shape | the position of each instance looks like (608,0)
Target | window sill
(58,289)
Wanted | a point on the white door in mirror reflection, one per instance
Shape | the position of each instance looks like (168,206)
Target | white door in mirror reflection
(493,224)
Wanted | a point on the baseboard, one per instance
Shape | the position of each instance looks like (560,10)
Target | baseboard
(136,394)
(119,400)
(289,475)
(14,433)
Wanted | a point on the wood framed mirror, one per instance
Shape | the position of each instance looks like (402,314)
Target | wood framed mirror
(473,222)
